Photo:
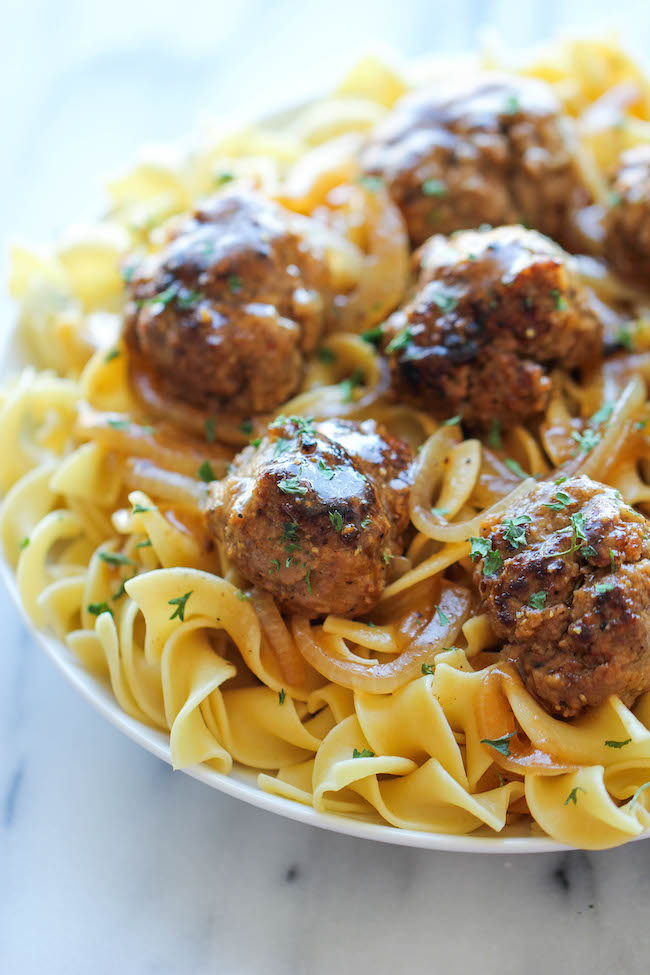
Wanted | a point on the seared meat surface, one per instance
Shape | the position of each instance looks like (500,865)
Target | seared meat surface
(627,222)
(565,579)
(224,314)
(315,513)
(492,312)
(484,149)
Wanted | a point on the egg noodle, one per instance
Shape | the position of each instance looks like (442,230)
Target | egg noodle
(407,717)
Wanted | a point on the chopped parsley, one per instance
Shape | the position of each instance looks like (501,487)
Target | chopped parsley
(434,187)
(605,586)
(373,335)
(427,669)
(587,440)
(189,298)
(179,602)
(372,183)
(292,485)
(281,444)
(612,560)
(537,600)
(96,609)
(482,548)
(366,522)
(282,696)
(246,426)
(364,753)
(453,420)
(516,468)
(641,424)
(326,355)
(275,566)
(562,500)
(140,508)
(209,428)
(234,284)
(326,471)
(163,298)
(350,384)
(401,340)
(337,520)
(223,177)
(24,542)
(440,512)
(305,424)
(515,534)
(289,537)
(602,415)
(501,745)
(512,105)
(494,436)
(111,354)
(115,558)
(558,300)
(626,334)
(205,472)
(618,744)
(443,300)
(243,596)
(145,544)
(119,424)
(308,581)
(444,620)
(387,556)
(573,795)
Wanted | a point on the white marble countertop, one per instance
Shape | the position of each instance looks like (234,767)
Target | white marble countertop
(109,861)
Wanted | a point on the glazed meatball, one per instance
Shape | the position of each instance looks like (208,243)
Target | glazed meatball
(565,580)
(225,313)
(486,149)
(492,312)
(627,222)
(316,513)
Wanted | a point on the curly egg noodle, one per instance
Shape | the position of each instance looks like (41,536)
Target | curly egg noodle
(407,716)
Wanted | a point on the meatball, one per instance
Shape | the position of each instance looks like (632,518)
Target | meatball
(565,580)
(627,221)
(225,313)
(492,312)
(485,149)
(316,513)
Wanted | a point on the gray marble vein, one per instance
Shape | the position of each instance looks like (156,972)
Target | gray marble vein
(109,861)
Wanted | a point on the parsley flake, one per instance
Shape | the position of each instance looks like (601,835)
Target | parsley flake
(602,415)
(115,558)
(145,544)
(626,334)
(372,183)
(537,600)
(434,187)
(558,300)
(562,500)
(401,340)
(24,543)
(366,522)
(243,596)
(605,586)
(444,620)
(516,468)
(350,384)
(494,436)
(282,696)
(308,581)
(364,753)
(119,424)
(618,744)
(234,284)
(326,471)
(141,508)
(337,520)
(111,354)
(515,534)
(292,485)
(275,566)
(209,428)
(586,441)
(573,796)
(373,335)
(427,669)
(453,420)
(96,609)
(442,299)
(205,472)
(326,355)
(179,602)
(246,426)
(501,745)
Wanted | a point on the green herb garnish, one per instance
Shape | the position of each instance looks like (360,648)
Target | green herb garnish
(179,602)
(501,745)
(205,472)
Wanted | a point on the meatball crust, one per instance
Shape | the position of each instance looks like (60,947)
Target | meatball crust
(315,513)
(485,149)
(566,585)
(627,222)
(224,314)
(493,310)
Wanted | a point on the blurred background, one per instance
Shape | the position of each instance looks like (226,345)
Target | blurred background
(84,854)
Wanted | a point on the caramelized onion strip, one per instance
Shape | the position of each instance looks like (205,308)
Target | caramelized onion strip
(440,631)
(279,639)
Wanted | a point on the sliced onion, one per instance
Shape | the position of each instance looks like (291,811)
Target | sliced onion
(279,640)
(440,631)
(164,485)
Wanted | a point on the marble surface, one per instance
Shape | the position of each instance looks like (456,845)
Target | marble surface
(109,861)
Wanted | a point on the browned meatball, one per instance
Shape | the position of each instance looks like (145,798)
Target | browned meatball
(493,310)
(485,149)
(565,580)
(316,513)
(224,314)
(627,222)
